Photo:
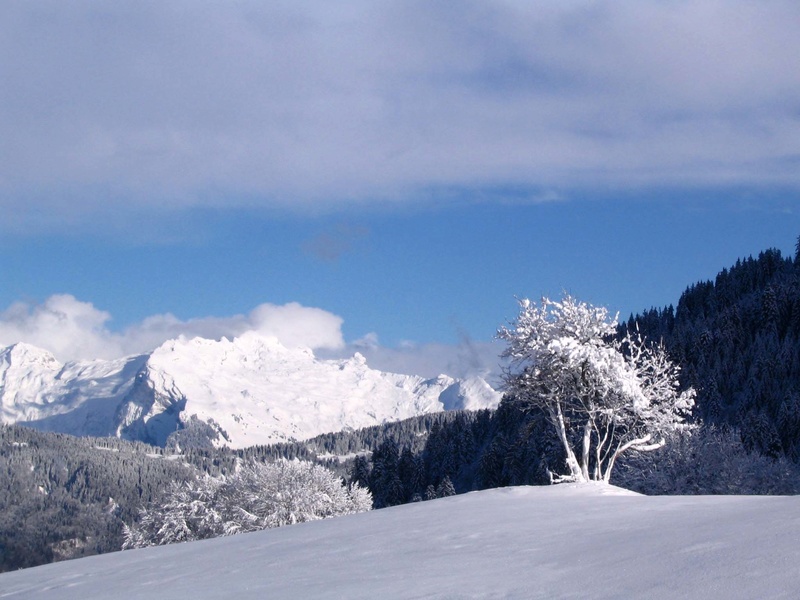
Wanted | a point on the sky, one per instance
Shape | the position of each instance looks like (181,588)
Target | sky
(385,176)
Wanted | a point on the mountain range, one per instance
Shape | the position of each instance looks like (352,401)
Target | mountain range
(198,392)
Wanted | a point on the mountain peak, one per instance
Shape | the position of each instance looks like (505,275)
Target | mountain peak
(246,391)
(22,352)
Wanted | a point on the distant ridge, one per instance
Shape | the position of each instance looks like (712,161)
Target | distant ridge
(199,392)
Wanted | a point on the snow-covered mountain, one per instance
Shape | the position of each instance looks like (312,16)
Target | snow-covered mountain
(563,541)
(251,390)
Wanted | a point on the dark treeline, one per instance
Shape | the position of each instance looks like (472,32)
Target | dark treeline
(737,339)
(469,451)
(513,446)
(336,451)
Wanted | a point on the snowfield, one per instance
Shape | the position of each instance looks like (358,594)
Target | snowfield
(566,541)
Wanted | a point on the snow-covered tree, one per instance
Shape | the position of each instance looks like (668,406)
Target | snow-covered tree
(707,460)
(445,488)
(603,396)
(257,496)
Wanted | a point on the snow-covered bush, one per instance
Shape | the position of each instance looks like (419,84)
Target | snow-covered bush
(707,460)
(257,496)
(603,396)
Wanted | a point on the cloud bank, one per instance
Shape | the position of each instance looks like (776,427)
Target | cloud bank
(126,106)
(76,330)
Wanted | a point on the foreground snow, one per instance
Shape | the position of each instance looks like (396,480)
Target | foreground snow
(554,542)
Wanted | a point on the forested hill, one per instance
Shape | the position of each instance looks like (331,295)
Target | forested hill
(64,497)
(738,341)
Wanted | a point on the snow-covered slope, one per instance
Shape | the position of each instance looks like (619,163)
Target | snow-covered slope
(80,398)
(553,542)
(251,390)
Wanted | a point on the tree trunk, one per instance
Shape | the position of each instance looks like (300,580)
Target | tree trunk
(587,443)
(572,462)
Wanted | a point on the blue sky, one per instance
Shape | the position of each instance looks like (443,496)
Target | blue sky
(407,168)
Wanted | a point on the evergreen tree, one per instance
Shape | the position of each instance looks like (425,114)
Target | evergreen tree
(797,251)
(384,480)
(445,488)
(359,473)
(430,492)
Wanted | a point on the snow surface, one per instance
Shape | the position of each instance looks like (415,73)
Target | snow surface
(251,389)
(566,541)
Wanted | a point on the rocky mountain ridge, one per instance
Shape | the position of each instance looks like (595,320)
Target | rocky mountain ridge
(195,392)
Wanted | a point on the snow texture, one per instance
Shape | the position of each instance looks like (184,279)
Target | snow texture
(567,541)
(251,390)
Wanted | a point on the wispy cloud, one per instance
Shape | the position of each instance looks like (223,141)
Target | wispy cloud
(124,106)
(330,245)
(466,359)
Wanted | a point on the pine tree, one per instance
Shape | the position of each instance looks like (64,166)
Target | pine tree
(430,492)
(359,473)
(384,479)
(445,488)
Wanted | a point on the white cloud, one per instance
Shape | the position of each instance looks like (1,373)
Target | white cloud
(122,106)
(296,325)
(74,330)
(63,325)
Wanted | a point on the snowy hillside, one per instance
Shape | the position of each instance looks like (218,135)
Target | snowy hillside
(251,390)
(553,542)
